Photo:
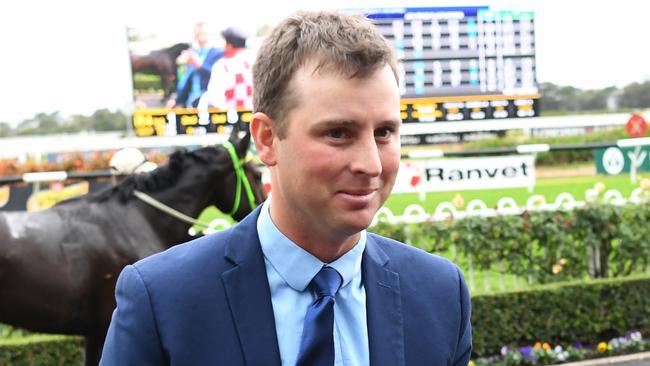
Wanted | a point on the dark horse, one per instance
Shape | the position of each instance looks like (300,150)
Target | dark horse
(58,267)
(162,63)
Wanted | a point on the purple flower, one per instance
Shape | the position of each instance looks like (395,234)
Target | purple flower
(527,352)
(577,345)
(504,350)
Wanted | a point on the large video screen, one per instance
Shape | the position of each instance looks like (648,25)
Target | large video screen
(456,63)
(171,73)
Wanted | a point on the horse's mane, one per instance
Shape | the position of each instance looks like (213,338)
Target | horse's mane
(162,177)
(175,50)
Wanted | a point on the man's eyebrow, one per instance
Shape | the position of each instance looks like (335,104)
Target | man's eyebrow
(336,123)
(350,122)
(397,121)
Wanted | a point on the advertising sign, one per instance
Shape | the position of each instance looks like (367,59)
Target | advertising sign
(23,197)
(636,126)
(459,174)
(614,160)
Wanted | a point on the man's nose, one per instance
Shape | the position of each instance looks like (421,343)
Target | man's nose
(367,158)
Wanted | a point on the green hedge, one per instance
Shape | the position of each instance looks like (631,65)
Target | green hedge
(553,158)
(561,314)
(42,350)
(596,240)
(586,312)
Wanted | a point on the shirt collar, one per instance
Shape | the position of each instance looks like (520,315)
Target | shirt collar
(297,266)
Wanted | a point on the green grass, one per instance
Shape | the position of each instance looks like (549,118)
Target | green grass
(550,113)
(550,188)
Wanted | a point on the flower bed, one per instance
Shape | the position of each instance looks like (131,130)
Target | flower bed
(561,314)
(545,354)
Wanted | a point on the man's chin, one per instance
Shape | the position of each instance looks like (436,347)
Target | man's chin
(358,224)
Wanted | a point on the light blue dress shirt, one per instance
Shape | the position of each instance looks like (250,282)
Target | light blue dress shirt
(289,269)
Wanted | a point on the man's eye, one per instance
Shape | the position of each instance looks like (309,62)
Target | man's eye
(337,133)
(383,132)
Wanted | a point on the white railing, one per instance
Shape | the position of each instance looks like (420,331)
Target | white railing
(415,213)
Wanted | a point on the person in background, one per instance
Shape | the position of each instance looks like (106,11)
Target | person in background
(231,82)
(300,281)
(130,160)
(199,60)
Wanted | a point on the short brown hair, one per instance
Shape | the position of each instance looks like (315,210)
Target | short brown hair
(345,43)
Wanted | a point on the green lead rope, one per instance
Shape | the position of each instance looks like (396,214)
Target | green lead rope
(241,178)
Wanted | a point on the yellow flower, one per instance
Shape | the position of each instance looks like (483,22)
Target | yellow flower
(546,346)
(645,184)
(458,201)
(471,363)
(557,268)
(562,261)
(600,187)
(537,345)
(602,347)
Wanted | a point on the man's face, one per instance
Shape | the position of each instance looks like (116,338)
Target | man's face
(337,164)
(200,34)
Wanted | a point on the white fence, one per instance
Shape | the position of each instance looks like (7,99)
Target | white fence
(415,213)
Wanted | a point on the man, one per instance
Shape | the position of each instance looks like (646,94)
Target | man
(299,281)
(199,60)
(231,84)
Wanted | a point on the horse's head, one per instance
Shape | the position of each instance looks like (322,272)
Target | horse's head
(193,180)
(242,187)
(175,50)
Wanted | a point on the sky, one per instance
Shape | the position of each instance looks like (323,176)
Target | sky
(71,55)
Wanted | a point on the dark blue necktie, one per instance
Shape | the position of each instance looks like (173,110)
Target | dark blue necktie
(317,345)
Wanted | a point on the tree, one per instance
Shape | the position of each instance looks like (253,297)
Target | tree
(40,124)
(105,120)
(81,123)
(6,130)
(572,99)
(636,95)
(550,99)
(589,100)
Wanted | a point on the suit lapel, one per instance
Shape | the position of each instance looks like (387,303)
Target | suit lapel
(383,307)
(249,296)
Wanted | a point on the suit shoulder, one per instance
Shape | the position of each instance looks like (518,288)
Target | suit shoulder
(186,257)
(407,256)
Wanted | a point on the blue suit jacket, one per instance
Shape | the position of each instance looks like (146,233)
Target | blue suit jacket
(207,302)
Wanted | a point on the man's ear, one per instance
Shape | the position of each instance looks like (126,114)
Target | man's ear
(264,136)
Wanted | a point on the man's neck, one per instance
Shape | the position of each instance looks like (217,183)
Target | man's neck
(329,251)
(324,246)
(231,51)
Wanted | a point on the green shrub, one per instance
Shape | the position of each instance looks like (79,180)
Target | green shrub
(42,350)
(549,247)
(597,240)
(553,158)
(585,312)
(142,81)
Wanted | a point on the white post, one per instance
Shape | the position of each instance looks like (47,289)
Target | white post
(472,284)
(637,143)
(637,152)
(533,149)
